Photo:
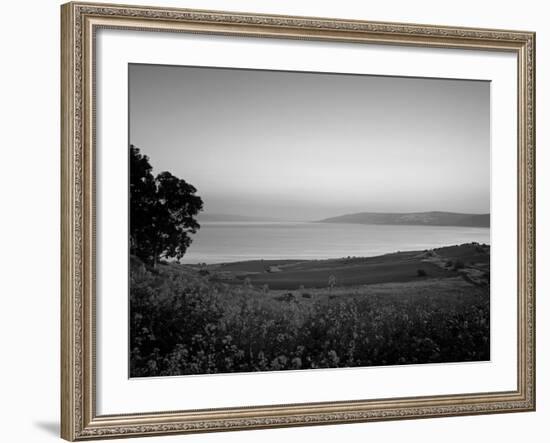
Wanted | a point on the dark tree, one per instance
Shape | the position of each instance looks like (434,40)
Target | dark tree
(162,211)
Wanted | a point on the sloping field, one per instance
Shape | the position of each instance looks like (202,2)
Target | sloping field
(396,267)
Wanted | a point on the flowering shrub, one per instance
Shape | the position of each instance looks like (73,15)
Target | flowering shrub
(181,323)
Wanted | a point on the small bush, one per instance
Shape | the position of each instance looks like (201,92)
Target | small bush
(458,265)
(288,297)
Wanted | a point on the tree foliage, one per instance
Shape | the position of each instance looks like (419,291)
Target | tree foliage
(162,212)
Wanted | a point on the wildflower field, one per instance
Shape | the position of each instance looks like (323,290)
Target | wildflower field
(214,319)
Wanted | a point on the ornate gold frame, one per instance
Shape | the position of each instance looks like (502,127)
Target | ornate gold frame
(79,420)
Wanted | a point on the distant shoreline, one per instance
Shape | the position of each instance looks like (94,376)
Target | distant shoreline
(430,218)
(274,260)
(269,261)
(283,222)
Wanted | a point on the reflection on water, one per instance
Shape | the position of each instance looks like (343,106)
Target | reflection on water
(218,242)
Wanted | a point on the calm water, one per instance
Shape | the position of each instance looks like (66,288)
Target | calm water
(218,242)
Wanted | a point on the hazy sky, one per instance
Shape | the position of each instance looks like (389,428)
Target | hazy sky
(304,146)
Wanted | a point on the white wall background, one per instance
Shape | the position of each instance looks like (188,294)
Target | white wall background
(29,221)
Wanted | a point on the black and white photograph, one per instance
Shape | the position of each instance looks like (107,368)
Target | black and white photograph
(283,220)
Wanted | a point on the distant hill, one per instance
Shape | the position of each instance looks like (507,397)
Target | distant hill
(434,218)
(232,218)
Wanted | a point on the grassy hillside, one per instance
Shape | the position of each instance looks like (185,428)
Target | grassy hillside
(396,267)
